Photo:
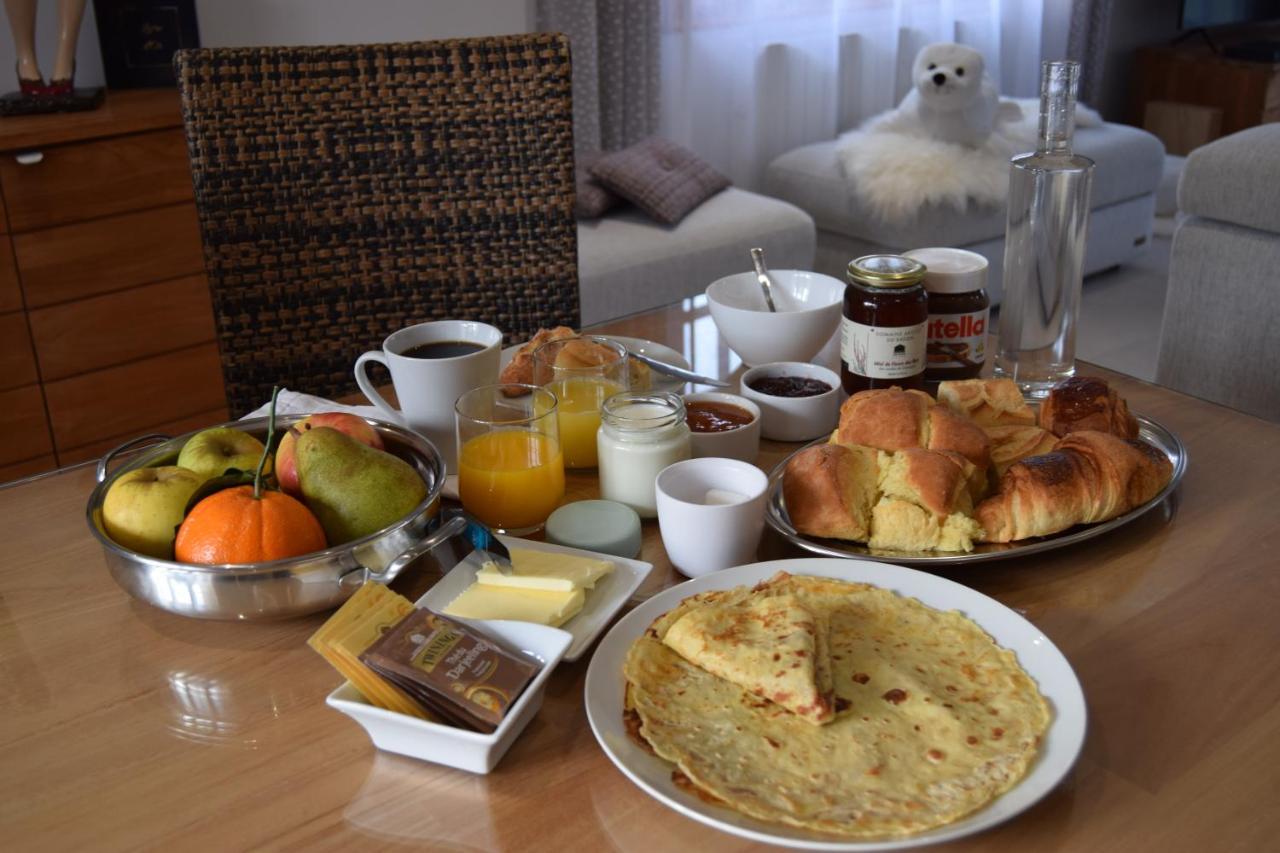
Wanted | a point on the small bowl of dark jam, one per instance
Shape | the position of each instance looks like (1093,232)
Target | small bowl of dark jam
(724,425)
(797,401)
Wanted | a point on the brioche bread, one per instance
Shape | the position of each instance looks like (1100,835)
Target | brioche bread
(898,525)
(987,402)
(1089,477)
(894,419)
(1087,403)
(829,490)
(935,481)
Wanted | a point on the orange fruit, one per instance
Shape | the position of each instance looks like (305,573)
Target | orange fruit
(232,526)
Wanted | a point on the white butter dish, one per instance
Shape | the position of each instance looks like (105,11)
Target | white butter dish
(603,601)
(455,747)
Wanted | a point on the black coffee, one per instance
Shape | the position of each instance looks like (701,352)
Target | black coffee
(443,349)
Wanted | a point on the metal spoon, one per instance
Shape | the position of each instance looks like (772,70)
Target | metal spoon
(676,371)
(762,275)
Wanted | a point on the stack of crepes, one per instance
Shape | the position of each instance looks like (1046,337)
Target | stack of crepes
(833,706)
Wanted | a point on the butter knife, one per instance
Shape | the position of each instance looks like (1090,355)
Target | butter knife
(490,548)
(678,372)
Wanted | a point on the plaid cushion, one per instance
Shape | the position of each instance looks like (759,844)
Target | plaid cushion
(593,198)
(661,178)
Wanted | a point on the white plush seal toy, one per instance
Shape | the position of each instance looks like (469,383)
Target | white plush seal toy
(954,99)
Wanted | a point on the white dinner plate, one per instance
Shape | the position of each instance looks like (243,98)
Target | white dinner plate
(603,602)
(660,382)
(1037,655)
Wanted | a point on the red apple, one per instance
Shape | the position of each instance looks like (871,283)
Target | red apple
(344,422)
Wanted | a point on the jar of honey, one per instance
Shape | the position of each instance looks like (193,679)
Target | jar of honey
(886,317)
(956,281)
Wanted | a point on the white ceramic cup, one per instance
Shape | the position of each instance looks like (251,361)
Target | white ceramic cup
(428,387)
(711,513)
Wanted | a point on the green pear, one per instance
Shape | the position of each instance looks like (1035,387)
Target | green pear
(353,489)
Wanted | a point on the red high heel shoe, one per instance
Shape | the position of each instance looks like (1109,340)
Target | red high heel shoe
(63,86)
(28,87)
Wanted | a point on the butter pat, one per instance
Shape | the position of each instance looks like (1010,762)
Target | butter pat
(547,571)
(546,607)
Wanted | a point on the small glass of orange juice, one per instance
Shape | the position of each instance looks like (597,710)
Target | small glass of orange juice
(583,372)
(510,464)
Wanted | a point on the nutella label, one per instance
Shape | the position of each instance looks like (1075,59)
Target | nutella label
(883,352)
(957,340)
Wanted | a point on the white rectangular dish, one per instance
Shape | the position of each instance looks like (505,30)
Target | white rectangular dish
(455,747)
(603,602)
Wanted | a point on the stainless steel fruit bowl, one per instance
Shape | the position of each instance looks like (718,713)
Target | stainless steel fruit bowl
(280,588)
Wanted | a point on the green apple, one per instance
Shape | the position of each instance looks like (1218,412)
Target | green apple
(211,452)
(143,508)
(344,422)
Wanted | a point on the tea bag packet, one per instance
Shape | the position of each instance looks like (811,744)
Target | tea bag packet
(454,671)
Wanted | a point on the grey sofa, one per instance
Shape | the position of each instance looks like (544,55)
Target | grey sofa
(1221,334)
(1120,220)
(628,263)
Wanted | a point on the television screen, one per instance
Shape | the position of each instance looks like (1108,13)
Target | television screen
(1217,13)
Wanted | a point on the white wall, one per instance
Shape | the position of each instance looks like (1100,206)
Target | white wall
(229,23)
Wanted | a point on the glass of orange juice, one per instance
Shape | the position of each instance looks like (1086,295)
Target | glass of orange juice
(510,464)
(583,372)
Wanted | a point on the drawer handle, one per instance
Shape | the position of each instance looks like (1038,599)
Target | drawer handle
(29,158)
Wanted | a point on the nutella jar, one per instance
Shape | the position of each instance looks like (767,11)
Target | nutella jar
(958,305)
(886,312)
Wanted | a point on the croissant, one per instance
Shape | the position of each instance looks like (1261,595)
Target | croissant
(1010,443)
(1090,476)
(988,402)
(1087,403)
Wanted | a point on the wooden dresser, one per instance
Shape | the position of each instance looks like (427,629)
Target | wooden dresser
(106,328)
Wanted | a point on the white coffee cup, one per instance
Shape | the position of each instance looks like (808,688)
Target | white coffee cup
(711,513)
(428,387)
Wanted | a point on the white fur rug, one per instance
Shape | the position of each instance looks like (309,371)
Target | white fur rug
(895,168)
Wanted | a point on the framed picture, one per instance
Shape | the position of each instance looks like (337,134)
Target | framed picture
(139,37)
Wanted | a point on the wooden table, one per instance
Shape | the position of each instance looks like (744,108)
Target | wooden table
(125,727)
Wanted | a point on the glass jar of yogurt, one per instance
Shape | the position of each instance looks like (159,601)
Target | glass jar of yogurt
(640,434)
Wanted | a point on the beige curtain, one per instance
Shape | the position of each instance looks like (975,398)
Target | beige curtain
(615,68)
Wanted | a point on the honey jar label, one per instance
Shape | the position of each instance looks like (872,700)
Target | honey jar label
(957,340)
(883,352)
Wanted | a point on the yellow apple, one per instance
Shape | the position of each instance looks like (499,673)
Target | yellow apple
(144,507)
(211,452)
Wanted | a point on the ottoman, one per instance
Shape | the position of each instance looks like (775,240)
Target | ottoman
(629,263)
(1129,164)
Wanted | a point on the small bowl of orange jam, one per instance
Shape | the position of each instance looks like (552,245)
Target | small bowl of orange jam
(724,425)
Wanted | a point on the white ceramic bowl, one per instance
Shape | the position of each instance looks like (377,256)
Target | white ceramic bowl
(795,418)
(456,747)
(739,443)
(809,311)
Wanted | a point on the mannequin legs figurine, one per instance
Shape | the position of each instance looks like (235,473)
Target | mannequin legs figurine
(70,14)
(22,20)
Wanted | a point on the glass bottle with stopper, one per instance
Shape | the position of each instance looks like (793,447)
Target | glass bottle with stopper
(1049,193)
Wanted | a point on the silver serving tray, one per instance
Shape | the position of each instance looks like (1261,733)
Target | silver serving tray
(1148,430)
